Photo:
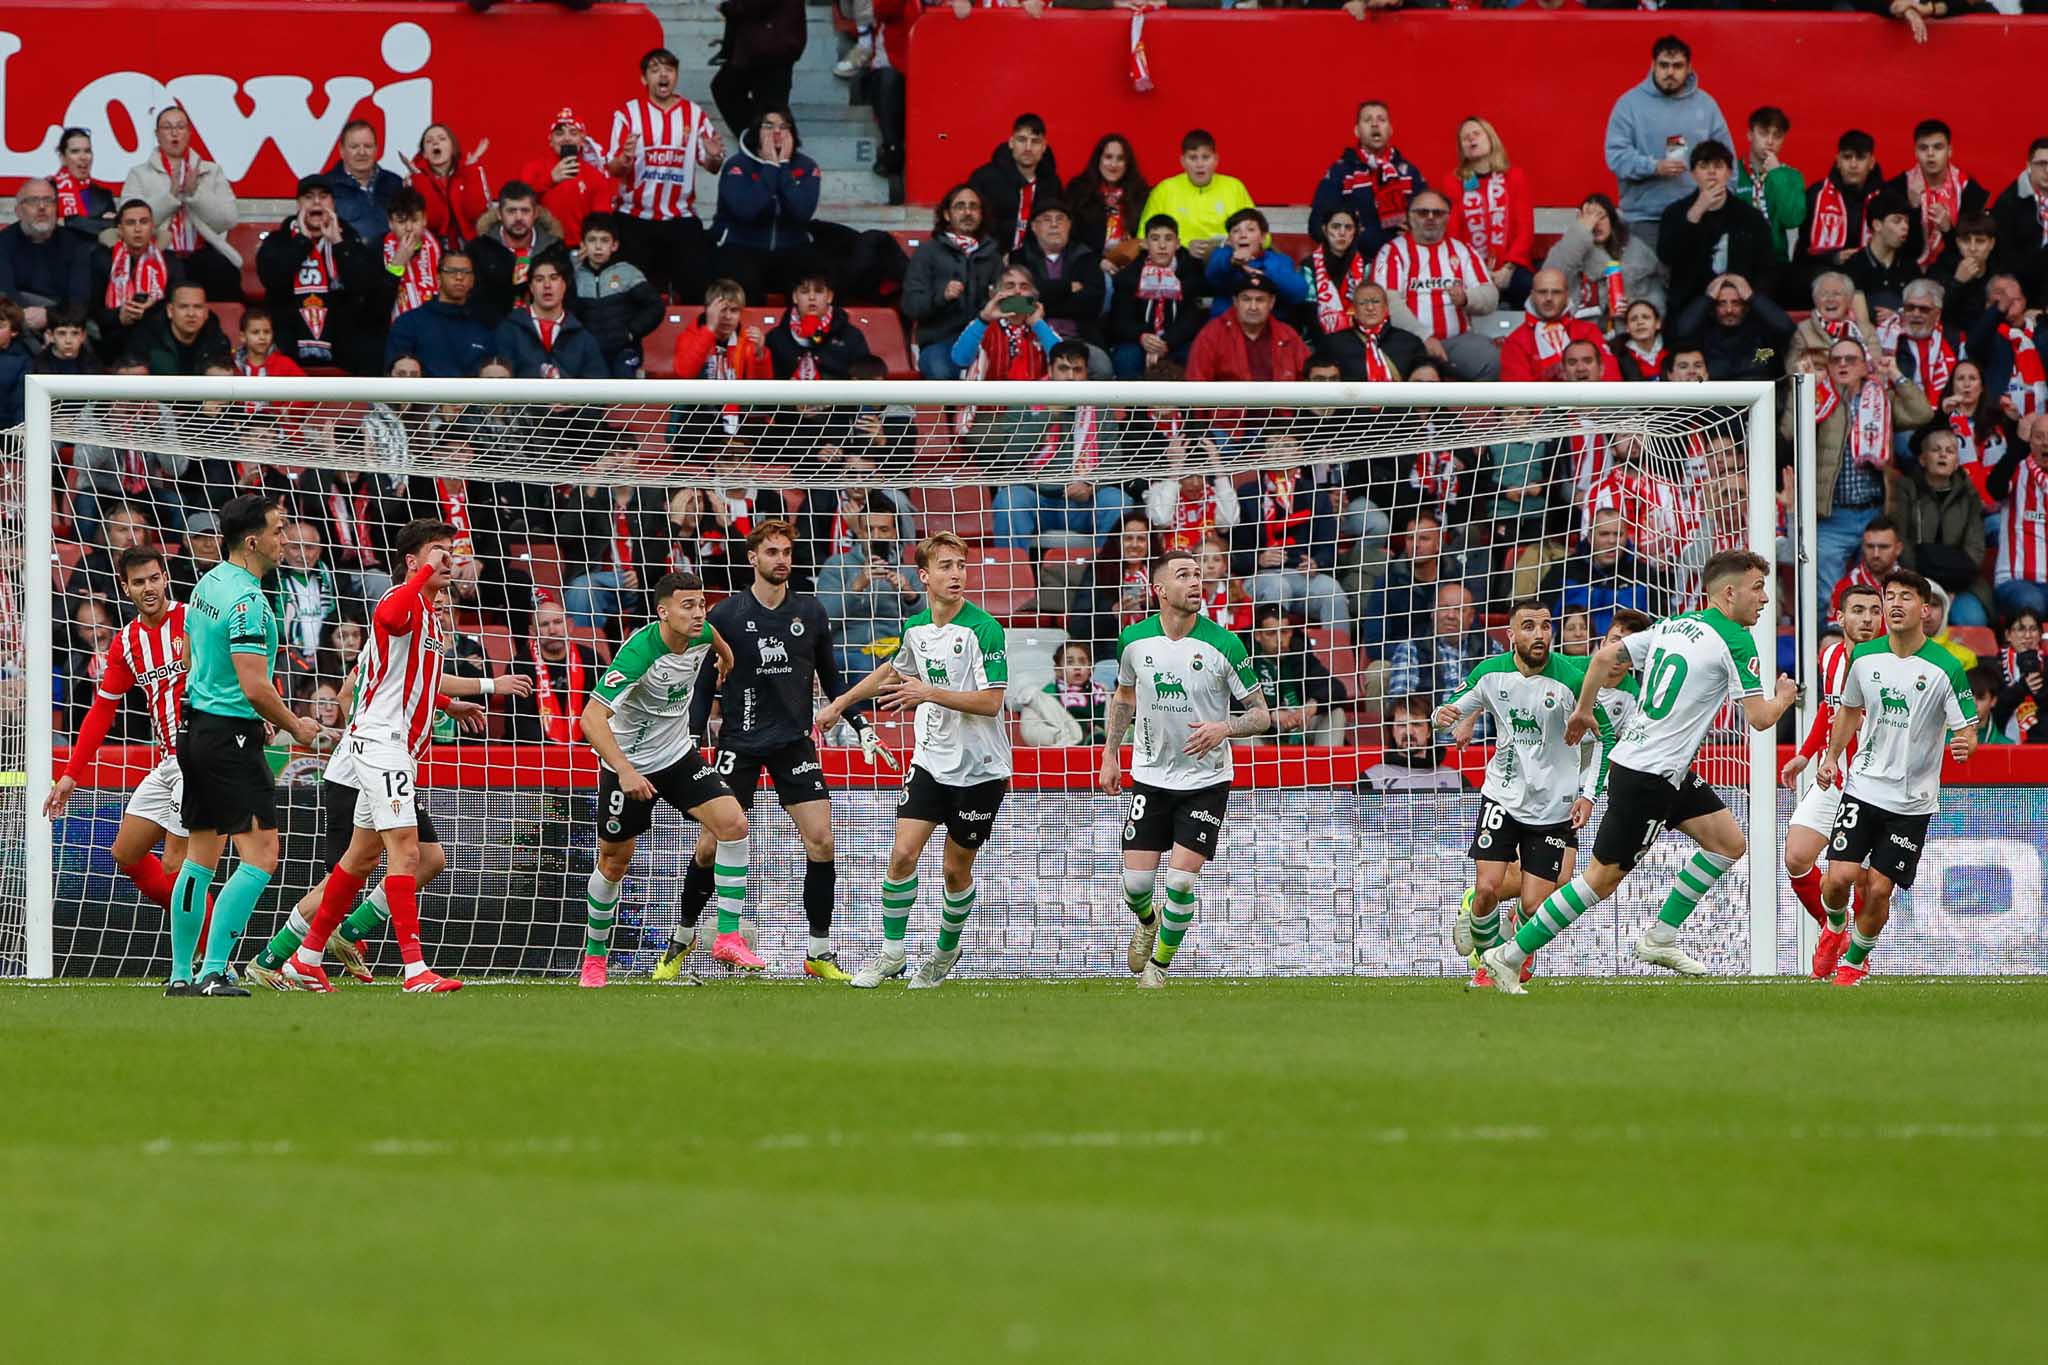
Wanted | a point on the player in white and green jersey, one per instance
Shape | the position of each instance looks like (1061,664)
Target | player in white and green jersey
(952,667)
(1177,674)
(1539,789)
(638,721)
(1906,701)
(1690,666)
(1613,707)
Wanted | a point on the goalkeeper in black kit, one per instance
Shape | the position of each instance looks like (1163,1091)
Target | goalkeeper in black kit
(780,642)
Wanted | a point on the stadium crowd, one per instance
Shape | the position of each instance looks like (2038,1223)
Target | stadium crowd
(1363,586)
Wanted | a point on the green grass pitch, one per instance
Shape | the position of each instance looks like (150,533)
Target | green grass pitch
(1276,1171)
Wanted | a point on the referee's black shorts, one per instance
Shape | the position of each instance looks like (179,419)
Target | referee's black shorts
(229,787)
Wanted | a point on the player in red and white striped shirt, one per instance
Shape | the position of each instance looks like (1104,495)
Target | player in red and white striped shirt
(657,145)
(148,652)
(1444,285)
(1860,612)
(400,684)
(2022,578)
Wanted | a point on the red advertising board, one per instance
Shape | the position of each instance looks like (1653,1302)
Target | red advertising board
(1279,89)
(269,83)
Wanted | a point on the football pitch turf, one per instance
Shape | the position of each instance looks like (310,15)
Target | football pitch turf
(1279,1171)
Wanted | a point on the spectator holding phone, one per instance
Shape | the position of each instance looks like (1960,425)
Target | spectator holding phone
(130,278)
(1009,338)
(1652,132)
(571,178)
(2022,680)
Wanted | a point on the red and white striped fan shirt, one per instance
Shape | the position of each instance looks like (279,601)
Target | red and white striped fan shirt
(401,673)
(663,182)
(1424,275)
(1660,519)
(2023,548)
(153,658)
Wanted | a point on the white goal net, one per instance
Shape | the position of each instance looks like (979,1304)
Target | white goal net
(1365,541)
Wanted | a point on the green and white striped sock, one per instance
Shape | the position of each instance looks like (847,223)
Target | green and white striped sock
(953,918)
(1552,918)
(898,898)
(1138,894)
(601,905)
(1486,930)
(729,871)
(1695,880)
(1859,948)
(1176,917)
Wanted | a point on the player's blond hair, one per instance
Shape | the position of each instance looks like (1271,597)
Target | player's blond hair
(937,541)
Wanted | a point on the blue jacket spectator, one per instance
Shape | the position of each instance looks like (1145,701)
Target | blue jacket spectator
(1658,123)
(362,188)
(766,205)
(448,340)
(613,298)
(1598,576)
(15,362)
(864,605)
(1244,251)
(573,355)
(42,266)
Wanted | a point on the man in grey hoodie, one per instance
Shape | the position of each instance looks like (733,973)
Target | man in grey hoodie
(1651,133)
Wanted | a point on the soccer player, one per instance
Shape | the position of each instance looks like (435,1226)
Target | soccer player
(638,721)
(148,652)
(1861,616)
(1539,790)
(953,667)
(400,685)
(1177,674)
(230,795)
(1616,705)
(1690,665)
(1905,699)
(780,641)
(340,795)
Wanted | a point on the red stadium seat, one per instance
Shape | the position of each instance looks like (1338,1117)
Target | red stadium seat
(246,238)
(962,509)
(230,317)
(1333,649)
(543,563)
(1979,640)
(1001,580)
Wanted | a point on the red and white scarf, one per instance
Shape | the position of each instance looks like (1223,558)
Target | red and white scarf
(1485,212)
(1113,232)
(1553,339)
(183,236)
(1331,297)
(558,715)
(453,496)
(962,243)
(1082,435)
(807,331)
(2028,387)
(348,514)
(1280,516)
(1009,350)
(1158,285)
(1378,369)
(1934,360)
(73,195)
(1391,183)
(311,286)
(1435,476)
(419,280)
(1193,518)
(1651,362)
(1025,197)
(1831,220)
(622,539)
(136,275)
(1948,194)
(1870,421)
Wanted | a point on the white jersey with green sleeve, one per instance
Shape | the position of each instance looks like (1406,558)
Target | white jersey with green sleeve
(1181,684)
(966,654)
(1910,704)
(1687,667)
(1613,706)
(1533,775)
(648,687)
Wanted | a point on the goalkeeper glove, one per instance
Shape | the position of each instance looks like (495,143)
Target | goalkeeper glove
(871,747)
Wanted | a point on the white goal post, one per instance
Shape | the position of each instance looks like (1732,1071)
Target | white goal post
(670,435)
